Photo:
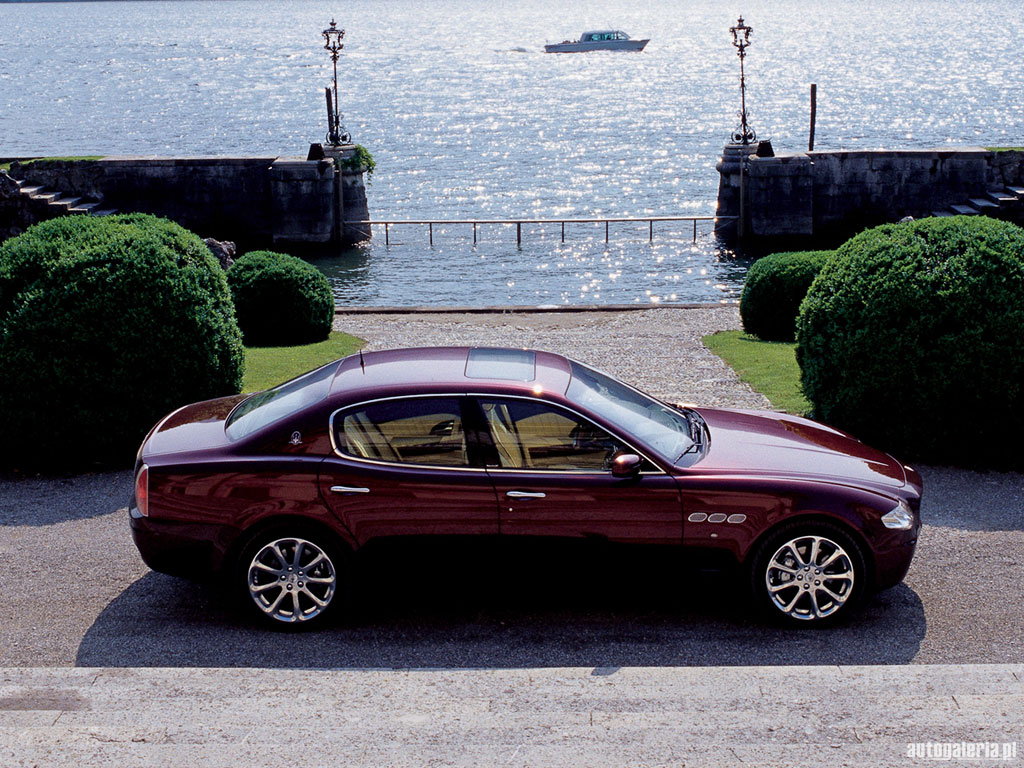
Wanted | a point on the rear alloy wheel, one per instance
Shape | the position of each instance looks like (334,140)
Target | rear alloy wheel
(809,575)
(291,580)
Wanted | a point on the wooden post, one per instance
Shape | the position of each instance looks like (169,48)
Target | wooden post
(606,231)
(431,234)
(387,238)
(695,230)
(474,233)
(519,233)
(650,231)
(563,231)
(814,115)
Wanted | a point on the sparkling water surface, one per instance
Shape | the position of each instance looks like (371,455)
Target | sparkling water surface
(467,117)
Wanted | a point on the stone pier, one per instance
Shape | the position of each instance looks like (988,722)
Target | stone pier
(254,201)
(832,195)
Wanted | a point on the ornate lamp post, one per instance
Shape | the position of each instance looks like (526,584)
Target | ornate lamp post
(741,39)
(336,135)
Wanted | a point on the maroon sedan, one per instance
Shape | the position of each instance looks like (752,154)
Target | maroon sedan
(277,490)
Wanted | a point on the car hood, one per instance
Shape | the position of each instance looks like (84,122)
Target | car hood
(195,427)
(776,443)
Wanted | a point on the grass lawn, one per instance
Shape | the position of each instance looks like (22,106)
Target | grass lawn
(267,367)
(767,366)
(7,166)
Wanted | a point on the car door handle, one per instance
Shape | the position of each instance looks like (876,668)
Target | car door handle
(347,489)
(525,495)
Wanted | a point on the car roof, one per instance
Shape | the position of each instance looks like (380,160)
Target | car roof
(434,369)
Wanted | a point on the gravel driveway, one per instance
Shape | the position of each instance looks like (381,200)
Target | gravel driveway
(76,593)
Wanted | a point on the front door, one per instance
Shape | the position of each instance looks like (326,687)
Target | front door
(552,474)
(404,467)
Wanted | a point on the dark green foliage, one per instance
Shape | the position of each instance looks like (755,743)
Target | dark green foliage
(107,324)
(912,338)
(361,160)
(280,300)
(773,290)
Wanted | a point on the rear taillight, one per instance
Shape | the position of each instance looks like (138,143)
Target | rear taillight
(142,491)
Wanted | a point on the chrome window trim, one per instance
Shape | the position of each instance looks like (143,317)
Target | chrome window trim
(382,463)
(615,435)
(453,468)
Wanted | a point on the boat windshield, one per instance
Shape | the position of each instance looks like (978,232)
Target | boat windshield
(666,430)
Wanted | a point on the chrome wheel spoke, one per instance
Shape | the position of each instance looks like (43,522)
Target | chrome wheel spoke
(814,604)
(272,608)
(832,558)
(281,559)
(815,549)
(299,545)
(838,598)
(314,598)
(791,546)
(317,559)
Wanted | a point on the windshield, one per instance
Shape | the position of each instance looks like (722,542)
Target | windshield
(666,430)
(264,408)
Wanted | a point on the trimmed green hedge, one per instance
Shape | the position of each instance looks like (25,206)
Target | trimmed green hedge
(773,290)
(912,338)
(107,324)
(280,300)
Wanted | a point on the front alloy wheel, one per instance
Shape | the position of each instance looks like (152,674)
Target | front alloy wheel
(292,580)
(809,575)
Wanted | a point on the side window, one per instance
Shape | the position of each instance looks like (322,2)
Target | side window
(425,430)
(534,435)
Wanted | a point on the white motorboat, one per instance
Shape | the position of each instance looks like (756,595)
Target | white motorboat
(600,40)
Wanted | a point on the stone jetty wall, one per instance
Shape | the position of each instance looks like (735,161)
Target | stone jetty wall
(831,195)
(255,201)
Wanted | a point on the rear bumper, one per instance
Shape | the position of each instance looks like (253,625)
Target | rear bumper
(191,550)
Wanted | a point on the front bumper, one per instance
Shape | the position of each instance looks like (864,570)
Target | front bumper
(893,558)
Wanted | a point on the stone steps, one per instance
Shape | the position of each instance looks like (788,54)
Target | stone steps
(995,202)
(60,204)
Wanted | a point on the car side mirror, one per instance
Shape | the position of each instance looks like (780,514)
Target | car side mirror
(626,465)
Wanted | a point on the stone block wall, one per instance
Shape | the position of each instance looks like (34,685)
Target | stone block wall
(254,201)
(831,195)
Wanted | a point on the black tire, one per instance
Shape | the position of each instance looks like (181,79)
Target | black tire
(282,593)
(789,586)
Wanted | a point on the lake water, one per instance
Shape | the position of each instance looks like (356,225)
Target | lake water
(468,118)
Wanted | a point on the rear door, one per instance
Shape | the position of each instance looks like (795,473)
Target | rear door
(552,472)
(404,467)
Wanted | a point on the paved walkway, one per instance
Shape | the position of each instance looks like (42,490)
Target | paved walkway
(697,716)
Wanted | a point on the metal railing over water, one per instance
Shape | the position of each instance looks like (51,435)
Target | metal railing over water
(649,220)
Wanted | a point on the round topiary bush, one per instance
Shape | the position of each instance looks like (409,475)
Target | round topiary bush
(773,290)
(280,300)
(912,338)
(107,324)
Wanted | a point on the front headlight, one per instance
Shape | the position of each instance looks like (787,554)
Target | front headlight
(901,518)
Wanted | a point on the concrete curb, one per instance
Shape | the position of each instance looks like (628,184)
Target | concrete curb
(708,716)
(519,309)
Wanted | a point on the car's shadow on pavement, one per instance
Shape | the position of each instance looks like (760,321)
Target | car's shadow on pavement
(447,613)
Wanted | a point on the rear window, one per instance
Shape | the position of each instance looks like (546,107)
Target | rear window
(264,408)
